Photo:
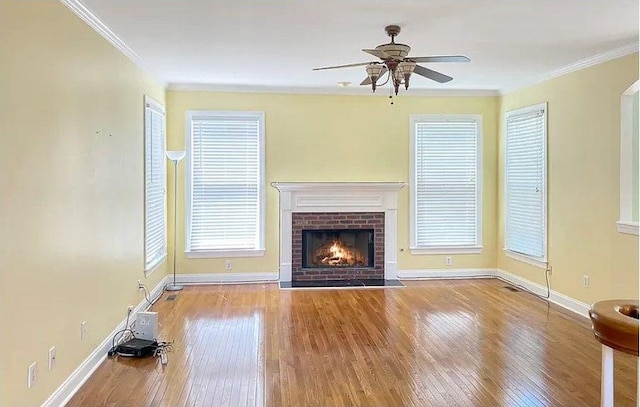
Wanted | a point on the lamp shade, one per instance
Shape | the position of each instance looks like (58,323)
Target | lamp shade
(176,155)
(406,68)
(373,70)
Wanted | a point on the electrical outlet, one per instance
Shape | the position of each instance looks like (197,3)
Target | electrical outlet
(140,285)
(447,260)
(31,375)
(585,281)
(52,357)
(227,265)
(130,309)
(83,330)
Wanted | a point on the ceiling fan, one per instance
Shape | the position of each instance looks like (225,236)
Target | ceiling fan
(397,64)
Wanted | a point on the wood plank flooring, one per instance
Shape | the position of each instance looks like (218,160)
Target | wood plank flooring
(432,343)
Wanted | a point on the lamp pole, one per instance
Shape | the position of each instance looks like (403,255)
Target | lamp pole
(175,157)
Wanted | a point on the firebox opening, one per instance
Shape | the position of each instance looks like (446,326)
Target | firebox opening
(337,248)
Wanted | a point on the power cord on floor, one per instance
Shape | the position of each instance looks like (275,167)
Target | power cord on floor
(147,295)
(162,350)
(547,271)
(122,338)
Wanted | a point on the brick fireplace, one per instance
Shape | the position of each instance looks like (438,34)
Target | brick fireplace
(338,212)
(327,264)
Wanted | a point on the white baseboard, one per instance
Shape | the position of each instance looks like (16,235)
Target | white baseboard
(66,391)
(555,297)
(446,274)
(225,278)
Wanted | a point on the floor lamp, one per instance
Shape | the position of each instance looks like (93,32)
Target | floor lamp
(175,156)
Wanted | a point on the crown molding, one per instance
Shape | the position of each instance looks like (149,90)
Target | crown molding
(578,65)
(203,87)
(93,21)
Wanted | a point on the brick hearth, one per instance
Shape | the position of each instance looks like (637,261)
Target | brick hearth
(337,220)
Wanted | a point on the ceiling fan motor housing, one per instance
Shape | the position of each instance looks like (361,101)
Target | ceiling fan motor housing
(395,50)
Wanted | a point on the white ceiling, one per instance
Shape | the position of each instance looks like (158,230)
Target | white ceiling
(276,43)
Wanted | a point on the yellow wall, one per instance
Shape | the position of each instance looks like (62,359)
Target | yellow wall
(339,138)
(583,183)
(71,176)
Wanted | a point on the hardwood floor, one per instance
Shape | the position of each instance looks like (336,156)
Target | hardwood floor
(432,343)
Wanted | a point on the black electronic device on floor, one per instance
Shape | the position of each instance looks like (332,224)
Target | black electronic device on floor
(137,348)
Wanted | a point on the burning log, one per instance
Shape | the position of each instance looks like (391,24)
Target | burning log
(337,253)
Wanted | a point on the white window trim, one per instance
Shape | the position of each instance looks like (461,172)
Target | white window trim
(204,254)
(534,261)
(540,263)
(208,254)
(150,268)
(422,250)
(446,250)
(625,224)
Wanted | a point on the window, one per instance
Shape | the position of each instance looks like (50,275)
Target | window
(445,184)
(155,178)
(225,184)
(526,184)
(629,106)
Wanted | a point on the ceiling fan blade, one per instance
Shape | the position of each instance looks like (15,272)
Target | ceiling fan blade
(431,74)
(344,66)
(367,80)
(377,53)
(442,58)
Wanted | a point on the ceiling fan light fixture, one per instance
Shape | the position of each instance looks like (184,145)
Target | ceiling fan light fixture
(405,69)
(373,71)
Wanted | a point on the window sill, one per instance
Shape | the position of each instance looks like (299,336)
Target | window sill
(151,268)
(526,259)
(628,227)
(208,254)
(447,250)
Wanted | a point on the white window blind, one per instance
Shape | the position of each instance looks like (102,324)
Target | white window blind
(445,184)
(525,182)
(155,231)
(226,181)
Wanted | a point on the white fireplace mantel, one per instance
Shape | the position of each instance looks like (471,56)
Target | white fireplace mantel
(339,197)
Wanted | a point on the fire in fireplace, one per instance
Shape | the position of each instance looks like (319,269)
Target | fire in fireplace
(337,248)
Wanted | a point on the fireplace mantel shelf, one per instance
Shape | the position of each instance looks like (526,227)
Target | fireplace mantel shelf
(351,186)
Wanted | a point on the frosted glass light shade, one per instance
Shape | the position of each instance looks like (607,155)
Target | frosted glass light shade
(406,68)
(176,155)
(373,71)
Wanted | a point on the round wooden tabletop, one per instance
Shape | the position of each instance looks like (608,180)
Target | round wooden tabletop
(615,324)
